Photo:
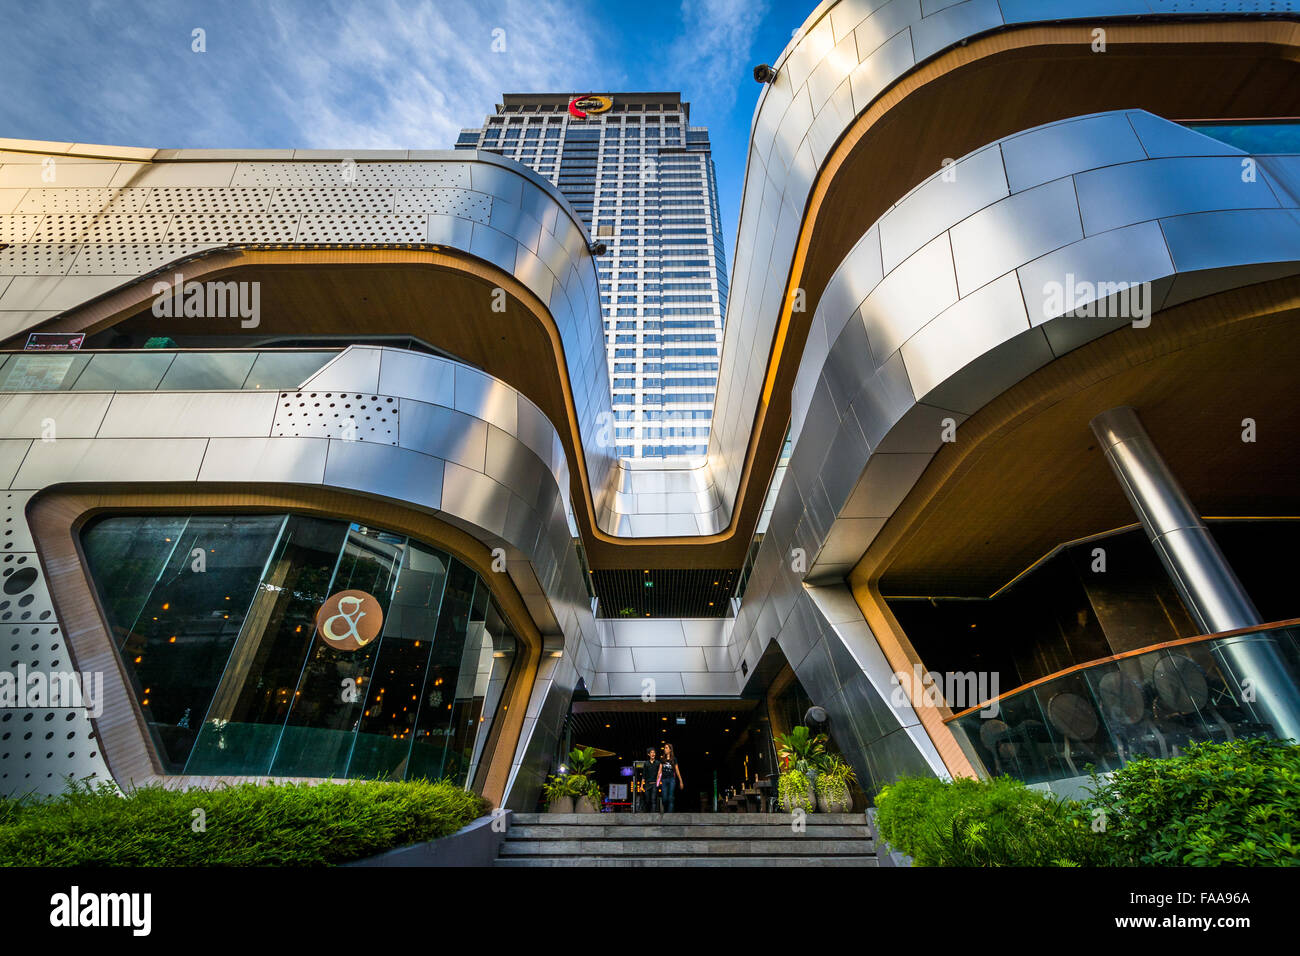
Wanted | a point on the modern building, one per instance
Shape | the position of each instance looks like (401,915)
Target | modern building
(641,179)
(307,466)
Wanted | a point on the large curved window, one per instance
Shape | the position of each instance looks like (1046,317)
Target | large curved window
(298,646)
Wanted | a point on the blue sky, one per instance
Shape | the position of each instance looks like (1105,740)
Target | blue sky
(372,74)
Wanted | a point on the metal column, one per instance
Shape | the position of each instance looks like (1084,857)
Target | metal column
(1202,576)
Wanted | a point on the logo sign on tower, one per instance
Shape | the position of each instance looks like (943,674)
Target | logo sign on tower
(589,104)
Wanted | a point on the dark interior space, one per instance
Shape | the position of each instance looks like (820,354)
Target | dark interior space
(1068,610)
(722,745)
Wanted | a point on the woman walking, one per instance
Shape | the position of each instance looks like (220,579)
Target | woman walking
(669,778)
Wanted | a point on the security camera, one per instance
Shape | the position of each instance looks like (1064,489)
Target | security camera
(597,248)
(763,73)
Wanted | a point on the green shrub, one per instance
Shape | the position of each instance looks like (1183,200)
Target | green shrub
(244,825)
(996,822)
(1233,803)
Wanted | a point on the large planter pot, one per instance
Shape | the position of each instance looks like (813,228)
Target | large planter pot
(843,803)
(586,805)
(560,805)
(790,800)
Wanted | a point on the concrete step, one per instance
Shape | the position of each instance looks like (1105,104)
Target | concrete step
(687,847)
(763,861)
(699,831)
(680,819)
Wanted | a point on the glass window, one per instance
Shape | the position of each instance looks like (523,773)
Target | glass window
(44,371)
(281,370)
(215,619)
(136,371)
(176,592)
(204,370)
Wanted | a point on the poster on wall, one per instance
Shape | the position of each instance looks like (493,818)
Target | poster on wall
(54,341)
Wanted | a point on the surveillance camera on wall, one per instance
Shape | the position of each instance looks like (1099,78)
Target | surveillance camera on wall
(763,73)
(597,248)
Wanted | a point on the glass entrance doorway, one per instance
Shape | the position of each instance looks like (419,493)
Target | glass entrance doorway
(723,747)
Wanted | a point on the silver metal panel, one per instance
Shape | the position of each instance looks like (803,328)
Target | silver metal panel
(56,415)
(1059,149)
(12,453)
(994,372)
(976,325)
(662,684)
(189,414)
(451,231)
(484,397)
(669,659)
(883,485)
(1211,240)
(475,498)
(111,459)
(444,433)
(910,296)
(356,370)
(390,472)
(953,24)
(883,24)
(1120,195)
(880,68)
(848,540)
(1162,138)
(1134,254)
(513,464)
(496,247)
(1010,233)
(940,202)
(710,685)
(286,460)
(416,376)
(615,659)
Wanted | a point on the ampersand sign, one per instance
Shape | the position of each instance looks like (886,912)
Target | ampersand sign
(349,620)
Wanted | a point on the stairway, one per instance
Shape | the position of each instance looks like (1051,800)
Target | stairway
(686,839)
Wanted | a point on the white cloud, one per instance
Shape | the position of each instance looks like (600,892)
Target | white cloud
(712,55)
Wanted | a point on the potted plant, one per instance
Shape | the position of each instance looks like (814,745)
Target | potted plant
(794,791)
(799,753)
(583,793)
(557,794)
(833,782)
(589,799)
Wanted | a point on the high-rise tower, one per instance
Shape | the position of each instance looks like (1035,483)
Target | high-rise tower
(642,179)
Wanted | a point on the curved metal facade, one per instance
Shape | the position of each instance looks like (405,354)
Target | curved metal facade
(944,303)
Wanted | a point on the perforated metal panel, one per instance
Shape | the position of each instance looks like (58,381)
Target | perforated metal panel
(233,228)
(17,228)
(88,199)
(340,173)
(446,202)
(71,229)
(206,199)
(363,229)
(346,201)
(31,259)
(96,259)
(332,414)
(39,747)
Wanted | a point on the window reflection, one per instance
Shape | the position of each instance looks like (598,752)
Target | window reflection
(233,678)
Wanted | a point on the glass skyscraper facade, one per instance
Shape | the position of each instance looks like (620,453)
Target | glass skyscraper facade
(642,180)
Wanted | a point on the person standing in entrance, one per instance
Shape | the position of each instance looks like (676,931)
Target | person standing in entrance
(650,782)
(669,778)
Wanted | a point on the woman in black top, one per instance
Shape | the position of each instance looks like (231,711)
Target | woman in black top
(669,778)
